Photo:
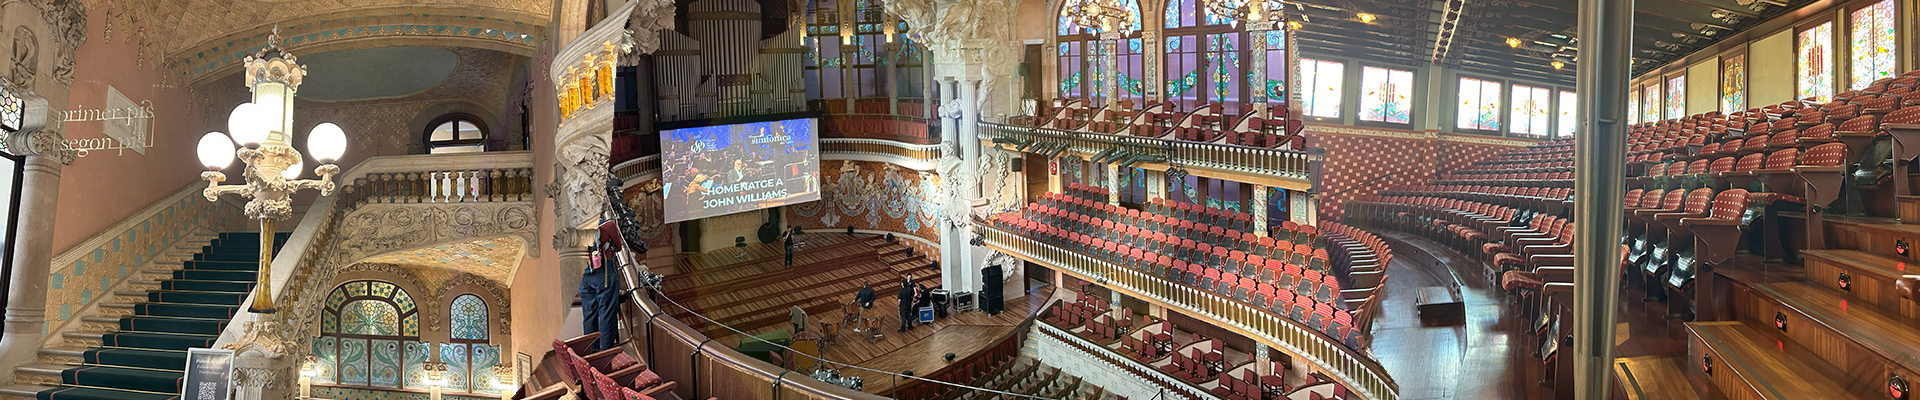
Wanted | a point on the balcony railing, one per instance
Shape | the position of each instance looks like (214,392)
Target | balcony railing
(1357,371)
(921,152)
(1220,156)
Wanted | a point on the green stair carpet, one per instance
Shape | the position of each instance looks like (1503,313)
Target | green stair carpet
(144,359)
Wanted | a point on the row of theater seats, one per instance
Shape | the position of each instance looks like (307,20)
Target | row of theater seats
(1199,361)
(1206,123)
(609,374)
(1290,278)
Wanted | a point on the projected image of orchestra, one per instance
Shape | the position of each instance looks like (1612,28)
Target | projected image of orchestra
(725,169)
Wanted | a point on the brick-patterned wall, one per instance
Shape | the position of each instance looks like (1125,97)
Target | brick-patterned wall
(1354,156)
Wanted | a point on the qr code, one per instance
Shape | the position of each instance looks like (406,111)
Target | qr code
(207,391)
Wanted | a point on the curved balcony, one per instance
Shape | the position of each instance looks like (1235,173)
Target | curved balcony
(1353,369)
(1281,168)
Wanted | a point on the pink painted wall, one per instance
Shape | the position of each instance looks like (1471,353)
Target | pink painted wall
(540,296)
(103,188)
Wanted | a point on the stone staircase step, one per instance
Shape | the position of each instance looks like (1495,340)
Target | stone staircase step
(21,391)
(38,374)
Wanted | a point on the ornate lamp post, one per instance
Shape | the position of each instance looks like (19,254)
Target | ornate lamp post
(263,128)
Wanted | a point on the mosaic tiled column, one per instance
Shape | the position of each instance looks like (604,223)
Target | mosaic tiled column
(1110,56)
(1113,183)
(1150,40)
(1257,205)
(1257,69)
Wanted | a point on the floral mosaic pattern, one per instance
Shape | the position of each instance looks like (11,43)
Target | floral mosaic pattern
(1815,65)
(469,318)
(1733,84)
(1873,43)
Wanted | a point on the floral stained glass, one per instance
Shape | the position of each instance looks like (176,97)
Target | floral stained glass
(1479,105)
(1873,43)
(1322,80)
(369,317)
(1529,111)
(1677,97)
(1815,80)
(1385,95)
(1733,84)
(1568,114)
(1650,103)
(469,318)
(1633,106)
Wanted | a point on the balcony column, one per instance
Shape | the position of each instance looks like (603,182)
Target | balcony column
(1257,68)
(970,133)
(1156,186)
(46,154)
(1606,41)
(1257,205)
(1113,184)
(948,91)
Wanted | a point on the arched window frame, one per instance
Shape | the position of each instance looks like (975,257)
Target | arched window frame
(459,140)
(1077,50)
(462,354)
(406,339)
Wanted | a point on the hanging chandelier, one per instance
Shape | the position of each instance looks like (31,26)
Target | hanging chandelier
(1246,11)
(1103,16)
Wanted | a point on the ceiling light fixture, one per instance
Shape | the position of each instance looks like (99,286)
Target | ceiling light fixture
(1513,42)
(1295,25)
(1367,18)
(1256,11)
(1557,64)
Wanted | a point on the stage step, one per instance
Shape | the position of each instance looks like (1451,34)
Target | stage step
(1653,378)
(1868,277)
(1855,337)
(1909,208)
(1740,361)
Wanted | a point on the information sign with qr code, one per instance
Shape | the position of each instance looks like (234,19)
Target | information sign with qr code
(209,373)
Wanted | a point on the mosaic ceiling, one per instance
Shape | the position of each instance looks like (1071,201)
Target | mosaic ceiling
(494,259)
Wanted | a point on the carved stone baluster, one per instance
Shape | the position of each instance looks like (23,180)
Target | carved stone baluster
(488,179)
(387,188)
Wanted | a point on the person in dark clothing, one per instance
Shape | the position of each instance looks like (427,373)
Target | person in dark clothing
(906,303)
(789,250)
(865,297)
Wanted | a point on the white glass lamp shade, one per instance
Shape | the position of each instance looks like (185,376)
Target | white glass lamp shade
(247,125)
(293,171)
(216,151)
(327,142)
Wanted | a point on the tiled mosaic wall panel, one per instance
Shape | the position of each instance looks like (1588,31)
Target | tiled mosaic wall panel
(87,273)
(873,195)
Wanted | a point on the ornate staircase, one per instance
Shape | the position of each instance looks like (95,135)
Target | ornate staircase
(134,348)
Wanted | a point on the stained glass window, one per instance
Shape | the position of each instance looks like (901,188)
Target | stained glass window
(1385,95)
(1633,106)
(367,328)
(1568,114)
(1677,97)
(1321,94)
(1528,114)
(1650,103)
(1183,70)
(1733,84)
(1132,87)
(469,317)
(1816,70)
(1223,71)
(1479,105)
(1071,74)
(1873,43)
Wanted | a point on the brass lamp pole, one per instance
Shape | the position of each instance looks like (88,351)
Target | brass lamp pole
(273,167)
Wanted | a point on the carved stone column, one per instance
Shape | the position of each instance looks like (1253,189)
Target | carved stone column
(1257,205)
(1156,186)
(949,108)
(970,131)
(1257,70)
(46,153)
(1150,65)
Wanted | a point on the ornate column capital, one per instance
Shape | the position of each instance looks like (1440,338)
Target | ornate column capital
(43,143)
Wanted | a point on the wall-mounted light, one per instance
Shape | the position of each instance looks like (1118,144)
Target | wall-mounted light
(1513,42)
(1557,64)
(1295,25)
(1367,18)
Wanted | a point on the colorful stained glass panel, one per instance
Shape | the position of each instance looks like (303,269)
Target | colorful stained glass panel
(1873,43)
(1322,79)
(469,318)
(1569,114)
(353,361)
(1479,105)
(325,353)
(1815,66)
(1633,106)
(1386,95)
(369,317)
(1733,84)
(383,367)
(455,356)
(482,377)
(416,355)
(1677,97)
(1528,112)
(1651,103)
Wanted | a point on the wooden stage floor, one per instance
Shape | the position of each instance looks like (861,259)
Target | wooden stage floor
(919,350)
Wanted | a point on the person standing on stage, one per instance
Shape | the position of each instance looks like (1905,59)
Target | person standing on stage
(865,297)
(906,303)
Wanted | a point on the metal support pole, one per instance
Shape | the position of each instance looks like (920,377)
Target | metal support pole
(1606,29)
(263,281)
